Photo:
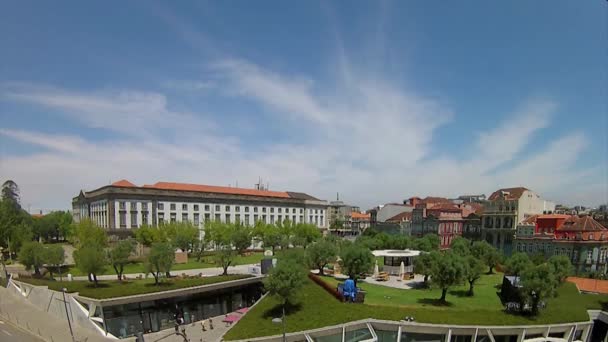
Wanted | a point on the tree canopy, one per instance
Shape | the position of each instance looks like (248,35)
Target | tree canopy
(485,252)
(538,282)
(88,233)
(560,266)
(118,256)
(356,260)
(32,255)
(285,280)
(425,264)
(160,260)
(54,258)
(449,270)
(518,263)
(91,259)
(321,253)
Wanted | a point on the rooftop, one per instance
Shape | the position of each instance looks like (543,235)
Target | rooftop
(360,216)
(582,224)
(123,183)
(407,216)
(396,253)
(508,193)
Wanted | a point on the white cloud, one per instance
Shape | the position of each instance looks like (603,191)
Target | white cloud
(370,140)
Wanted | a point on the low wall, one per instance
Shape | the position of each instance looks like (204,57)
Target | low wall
(53,303)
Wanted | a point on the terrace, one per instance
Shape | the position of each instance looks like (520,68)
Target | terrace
(315,308)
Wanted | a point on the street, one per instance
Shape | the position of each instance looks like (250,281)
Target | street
(8,333)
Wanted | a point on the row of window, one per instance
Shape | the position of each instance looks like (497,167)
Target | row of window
(207,207)
(196,218)
(572,254)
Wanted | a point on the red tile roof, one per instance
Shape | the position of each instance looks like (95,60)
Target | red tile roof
(124,183)
(217,189)
(590,285)
(407,216)
(554,216)
(430,199)
(513,193)
(360,216)
(581,224)
(445,207)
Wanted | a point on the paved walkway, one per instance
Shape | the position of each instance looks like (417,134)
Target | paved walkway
(393,282)
(21,313)
(207,272)
(194,332)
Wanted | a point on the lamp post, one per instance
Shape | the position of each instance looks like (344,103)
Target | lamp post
(65,303)
(281,321)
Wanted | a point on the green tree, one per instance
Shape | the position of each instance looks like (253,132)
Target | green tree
(561,267)
(10,192)
(88,233)
(241,237)
(160,260)
(13,220)
(401,242)
(425,264)
(427,243)
(537,282)
(32,255)
(118,256)
(488,254)
(182,235)
(538,258)
(221,235)
(286,232)
(517,263)
(461,246)
(147,235)
(285,280)
(474,268)
(321,253)
(449,270)
(54,258)
(91,259)
(267,233)
(304,234)
(356,260)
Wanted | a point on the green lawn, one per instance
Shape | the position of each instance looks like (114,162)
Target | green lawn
(315,308)
(112,289)
(206,262)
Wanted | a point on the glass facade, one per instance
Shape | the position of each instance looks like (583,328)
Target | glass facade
(127,320)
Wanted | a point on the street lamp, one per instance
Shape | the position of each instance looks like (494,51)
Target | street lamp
(281,320)
(65,303)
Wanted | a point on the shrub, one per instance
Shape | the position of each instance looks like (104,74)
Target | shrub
(330,289)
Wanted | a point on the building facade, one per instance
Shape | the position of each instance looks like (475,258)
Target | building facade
(123,206)
(504,210)
(582,239)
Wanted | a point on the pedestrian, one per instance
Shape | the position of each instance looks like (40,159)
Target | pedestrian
(210,324)
(203,325)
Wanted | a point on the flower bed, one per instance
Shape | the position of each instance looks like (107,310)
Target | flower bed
(329,288)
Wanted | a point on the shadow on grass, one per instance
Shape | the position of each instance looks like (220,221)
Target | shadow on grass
(277,310)
(434,302)
(604,305)
(459,293)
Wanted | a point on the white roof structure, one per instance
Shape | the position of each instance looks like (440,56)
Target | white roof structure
(396,253)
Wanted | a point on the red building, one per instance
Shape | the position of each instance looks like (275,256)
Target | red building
(445,219)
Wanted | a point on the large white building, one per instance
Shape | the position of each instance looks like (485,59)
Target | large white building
(123,206)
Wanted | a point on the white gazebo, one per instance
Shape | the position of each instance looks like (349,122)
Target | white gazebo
(394,257)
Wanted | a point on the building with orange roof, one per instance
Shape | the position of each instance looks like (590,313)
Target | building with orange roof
(505,209)
(581,238)
(123,206)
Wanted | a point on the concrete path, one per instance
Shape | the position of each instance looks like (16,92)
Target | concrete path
(11,333)
(393,282)
(207,272)
(194,332)
(19,312)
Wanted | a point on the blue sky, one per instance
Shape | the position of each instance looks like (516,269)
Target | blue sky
(376,100)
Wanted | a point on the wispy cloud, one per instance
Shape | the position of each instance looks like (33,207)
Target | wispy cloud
(372,141)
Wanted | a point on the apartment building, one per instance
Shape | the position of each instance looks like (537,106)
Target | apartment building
(505,209)
(123,206)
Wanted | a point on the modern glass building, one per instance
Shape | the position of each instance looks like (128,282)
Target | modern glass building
(127,320)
